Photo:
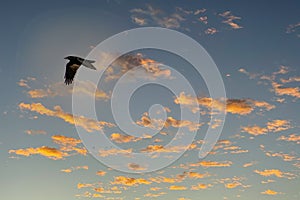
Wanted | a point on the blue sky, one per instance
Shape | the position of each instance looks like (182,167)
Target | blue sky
(255,46)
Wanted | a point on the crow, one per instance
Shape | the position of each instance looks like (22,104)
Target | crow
(72,66)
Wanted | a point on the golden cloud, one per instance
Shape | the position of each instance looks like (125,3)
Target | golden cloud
(122,180)
(137,167)
(200,186)
(48,152)
(89,125)
(101,173)
(120,138)
(212,164)
(69,170)
(169,122)
(270,192)
(233,106)
(177,187)
(60,89)
(275,172)
(290,138)
(272,126)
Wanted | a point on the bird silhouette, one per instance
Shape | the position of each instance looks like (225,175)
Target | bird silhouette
(73,65)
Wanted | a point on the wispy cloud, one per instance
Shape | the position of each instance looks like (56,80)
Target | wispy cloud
(233,106)
(270,192)
(35,132)
(275,172)
(294,28)
(230,19)
(89,125)
(206,163)
(272,126)
(48,152)
(290,138)
(71,169)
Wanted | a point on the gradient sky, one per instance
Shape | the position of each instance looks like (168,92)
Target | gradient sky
(255,45)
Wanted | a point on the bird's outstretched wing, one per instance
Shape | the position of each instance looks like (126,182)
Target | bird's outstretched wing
(86,63)
(71,70)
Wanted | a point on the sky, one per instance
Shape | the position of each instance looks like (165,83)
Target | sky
(47,148)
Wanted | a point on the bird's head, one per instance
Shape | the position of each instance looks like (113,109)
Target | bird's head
(68,57)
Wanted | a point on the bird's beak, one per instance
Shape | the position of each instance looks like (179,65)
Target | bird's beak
(65,57)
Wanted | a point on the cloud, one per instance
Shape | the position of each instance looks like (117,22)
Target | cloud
(138,66)
(230,20)
(272,126)
(126,181)
(139,21)
(232,185)
(60,89)
(136,167)
(212,164)
(210,31)
(196,175)
(249,164)
(84,185)
(200,186)
(101,173)
(48,152)
(68,144)
(112,152)
(270,192)
(294,28)
(154,195)
(158,124)
(89,125)
(177,187)
(157,16)
(120,138)
(35,132)
(275,172)
(169,149)
(280,90)
(233,106)
(69,170)
(290,138)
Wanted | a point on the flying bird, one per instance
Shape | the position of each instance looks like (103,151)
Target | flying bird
(73,65)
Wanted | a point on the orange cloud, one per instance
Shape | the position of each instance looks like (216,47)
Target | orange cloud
(200,186)
(122,180)
(229,19)
(233,106)
(110,152)
(249,164)
(196,175)
(69,170)
(270,192)
(101,173)
(290,138)
(136,64)
(177,187)
(272,126)
(170,122)
(120,138)
(212,164)
(68,144)
(232,185)
(60,89)
(275,172)
(89,125)
(137,167)
(48,152)
(170,149)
